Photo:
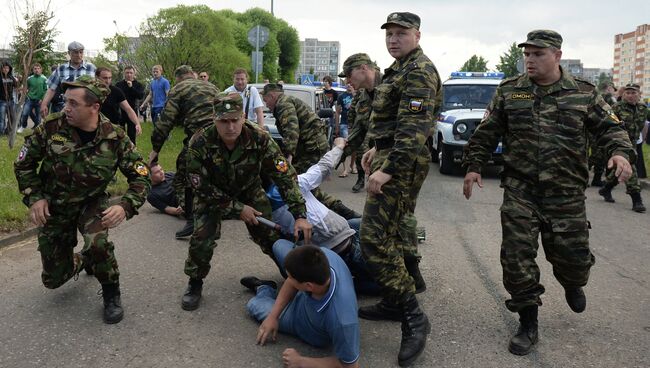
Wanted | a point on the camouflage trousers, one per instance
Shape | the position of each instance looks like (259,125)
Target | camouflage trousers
(180,182)
(58,237)
(207,230)
(632,185)
(563,225)
(388,228)
(597,159)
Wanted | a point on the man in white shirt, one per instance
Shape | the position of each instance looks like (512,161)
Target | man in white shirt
(253,104)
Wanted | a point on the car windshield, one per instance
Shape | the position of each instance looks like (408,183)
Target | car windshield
(467,96)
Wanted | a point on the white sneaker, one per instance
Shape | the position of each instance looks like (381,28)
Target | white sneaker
(20,130)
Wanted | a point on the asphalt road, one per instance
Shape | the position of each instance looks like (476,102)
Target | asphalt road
(464,300)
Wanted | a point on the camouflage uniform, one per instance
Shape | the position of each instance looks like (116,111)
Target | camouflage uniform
(303,133)
(404,107)
(73,178)
(189,104)
(304,138)
(545,174)
(633,118)
(224,181)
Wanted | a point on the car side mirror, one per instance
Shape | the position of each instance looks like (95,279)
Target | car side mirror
(325,113)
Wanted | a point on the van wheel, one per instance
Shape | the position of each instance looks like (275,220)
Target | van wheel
(446,159)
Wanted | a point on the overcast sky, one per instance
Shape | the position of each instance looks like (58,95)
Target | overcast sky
(452,31)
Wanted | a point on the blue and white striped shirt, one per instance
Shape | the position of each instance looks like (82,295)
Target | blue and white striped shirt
(65,72)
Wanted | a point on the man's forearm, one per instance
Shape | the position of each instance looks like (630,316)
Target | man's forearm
(285,295)
(48,97)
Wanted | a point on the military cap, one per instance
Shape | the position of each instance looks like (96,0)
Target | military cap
(182,70)
(354,61)
(272,87)
(96,86)
(633,86)
(543,38)
(228,105)
(405,19)
(75,45)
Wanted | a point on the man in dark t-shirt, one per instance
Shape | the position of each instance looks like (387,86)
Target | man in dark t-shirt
(162,195)
(134,93)
(115,102)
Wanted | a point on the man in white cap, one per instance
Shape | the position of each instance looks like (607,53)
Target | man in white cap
(66,72)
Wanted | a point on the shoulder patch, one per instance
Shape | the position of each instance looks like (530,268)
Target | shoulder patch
(281,165)
(141,168)
(415,105)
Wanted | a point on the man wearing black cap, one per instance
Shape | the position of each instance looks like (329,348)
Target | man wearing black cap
(633,115)
(404,107)
(545,115)
(63,170)
(66,72)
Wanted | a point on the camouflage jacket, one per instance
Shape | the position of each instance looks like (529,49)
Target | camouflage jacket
(404,108)
(220,176)
(544,132)
(189,104)
(301,129)
(71,173)
(359,119)
(633,118)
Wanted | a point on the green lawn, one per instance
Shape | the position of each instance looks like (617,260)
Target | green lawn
(13,213)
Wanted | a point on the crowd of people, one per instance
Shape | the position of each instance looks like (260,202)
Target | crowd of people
(230,168)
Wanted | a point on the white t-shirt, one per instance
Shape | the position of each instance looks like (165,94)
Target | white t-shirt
(256,100)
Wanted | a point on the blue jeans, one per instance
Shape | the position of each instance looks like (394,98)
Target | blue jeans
(3,114)
(155,113)
(32,108)
(364,283)
(261,304)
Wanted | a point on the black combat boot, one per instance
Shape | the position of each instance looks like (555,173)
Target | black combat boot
(606,192)
(526,336)
(384,310)
(358,186)
(113,312)
(346,212)
(415,328)
(637,203)
(413,267)
(192,295)
(597,181)
(252,283)
(187,230)
(576,299)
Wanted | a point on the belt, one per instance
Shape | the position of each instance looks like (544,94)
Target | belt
(384,143)
(343,247)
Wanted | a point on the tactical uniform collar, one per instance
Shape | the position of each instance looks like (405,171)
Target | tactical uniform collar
(397,65)
(105,130)
(566,82)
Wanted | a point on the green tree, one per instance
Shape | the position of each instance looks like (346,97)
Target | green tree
(508,61)
(33,43)
(475,64)
(604,78)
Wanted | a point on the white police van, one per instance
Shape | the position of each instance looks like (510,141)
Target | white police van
(465,97)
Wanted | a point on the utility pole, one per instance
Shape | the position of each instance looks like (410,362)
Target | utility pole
(272,7)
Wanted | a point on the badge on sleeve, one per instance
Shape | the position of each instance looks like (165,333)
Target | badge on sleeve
(141,169)
(282,166)
(195,179)
(22,153)
(415,105)
(614,117)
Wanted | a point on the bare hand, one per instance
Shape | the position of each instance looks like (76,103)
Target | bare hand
(44,110)
(39,212)
(152,157)
(138,129)
(291,358)
(376,180)
(113,216)
(340,142)
(468,183)
(623,167)
(302,225)
(129,83)
(268,328)
(174,211)
(367,158)
(248,215)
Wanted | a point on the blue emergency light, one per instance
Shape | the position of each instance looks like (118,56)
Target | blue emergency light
(493,75)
